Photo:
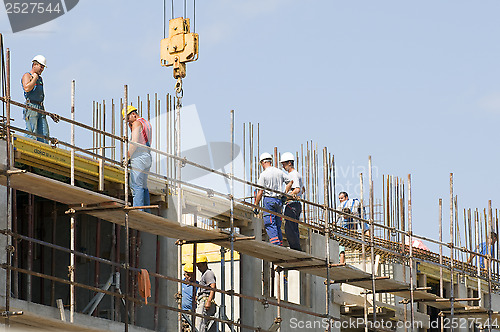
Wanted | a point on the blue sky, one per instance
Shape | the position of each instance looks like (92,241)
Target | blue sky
(414,84)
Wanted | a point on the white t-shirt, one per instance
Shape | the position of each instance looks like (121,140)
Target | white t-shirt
(273,178)
(353,204)
(297,181)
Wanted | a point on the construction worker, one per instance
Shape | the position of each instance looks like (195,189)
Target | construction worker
(188,297)
(140,156)
(352,206)
(206,297)
(271,178)
(483,250)
(188,290)
(32,83)
(293,208)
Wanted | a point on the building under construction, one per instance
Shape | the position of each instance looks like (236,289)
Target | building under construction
(72,246)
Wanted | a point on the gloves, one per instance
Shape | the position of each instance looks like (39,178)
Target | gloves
(255,211)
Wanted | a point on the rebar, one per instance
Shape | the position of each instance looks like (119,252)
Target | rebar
(452,286)
(72,222)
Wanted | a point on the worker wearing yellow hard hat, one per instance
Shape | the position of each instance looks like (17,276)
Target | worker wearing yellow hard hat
(202,259)
(139,154)
(189,291)
(206,297)
(129,109)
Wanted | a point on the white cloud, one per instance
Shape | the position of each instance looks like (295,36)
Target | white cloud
(490,103)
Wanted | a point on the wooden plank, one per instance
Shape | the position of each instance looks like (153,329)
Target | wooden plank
(55,190)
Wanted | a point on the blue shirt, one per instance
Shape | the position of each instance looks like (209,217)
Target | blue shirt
(187,296)
(483,250)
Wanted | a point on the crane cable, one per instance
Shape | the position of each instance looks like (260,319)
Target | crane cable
(172,14)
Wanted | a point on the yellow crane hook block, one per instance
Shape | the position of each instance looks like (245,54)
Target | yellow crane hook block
(180,47)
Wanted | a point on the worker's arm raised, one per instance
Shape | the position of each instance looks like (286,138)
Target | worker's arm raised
(29,81)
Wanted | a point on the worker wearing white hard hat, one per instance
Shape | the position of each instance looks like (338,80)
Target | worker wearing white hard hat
(34,94)
(139,154)
(293,208)
(271,178)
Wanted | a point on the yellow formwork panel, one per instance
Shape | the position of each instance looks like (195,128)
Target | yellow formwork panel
(212,251)
(49,156)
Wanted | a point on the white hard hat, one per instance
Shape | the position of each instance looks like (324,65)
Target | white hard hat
(40,59)
(287,156)
(265,156)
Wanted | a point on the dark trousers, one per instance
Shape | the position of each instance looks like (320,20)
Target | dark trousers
(293,210)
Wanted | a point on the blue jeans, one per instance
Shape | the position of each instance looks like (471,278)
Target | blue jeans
(140,161)
(36,123)
(293,210)
(272,223)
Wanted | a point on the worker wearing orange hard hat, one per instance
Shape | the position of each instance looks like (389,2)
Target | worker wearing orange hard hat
(206,297)
(139,155)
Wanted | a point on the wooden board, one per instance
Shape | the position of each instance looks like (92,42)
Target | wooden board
(423,295)
(56,190)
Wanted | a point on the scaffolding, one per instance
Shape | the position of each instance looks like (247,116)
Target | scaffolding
(391,238)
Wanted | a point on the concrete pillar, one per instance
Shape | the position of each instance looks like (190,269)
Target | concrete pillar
(145,314)
(250,278)
(318,287)
(167,319)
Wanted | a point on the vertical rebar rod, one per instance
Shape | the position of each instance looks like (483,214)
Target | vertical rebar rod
(123,123)
(372,239)
(72,222)
(53,254)
(113,129)
(496,230)
(9,166)
(363,246)
(231,219)
(93,125)
(102,145)
(452,286)
(126,192)
(441,286)
(479,290)
(489,243)
(244,163)
(168,133)
(412,270)
(327,234)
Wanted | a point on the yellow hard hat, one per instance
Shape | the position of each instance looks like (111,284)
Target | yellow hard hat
(130,109)
(202,259)
(188,268)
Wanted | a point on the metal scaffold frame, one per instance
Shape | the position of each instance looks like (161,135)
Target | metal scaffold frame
(318,217)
